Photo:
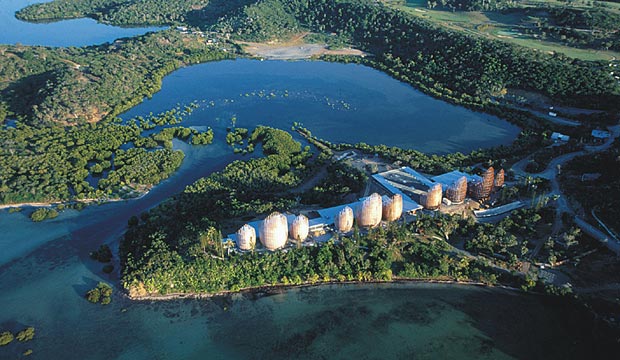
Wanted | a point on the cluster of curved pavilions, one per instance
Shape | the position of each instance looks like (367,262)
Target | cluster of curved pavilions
(479,189)
(275,231)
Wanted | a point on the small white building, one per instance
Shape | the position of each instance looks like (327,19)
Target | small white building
(553,114)
(556,136)
(600,134)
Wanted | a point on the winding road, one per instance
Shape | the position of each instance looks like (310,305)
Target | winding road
(562,206)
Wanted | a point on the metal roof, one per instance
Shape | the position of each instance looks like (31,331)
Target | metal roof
(451,177)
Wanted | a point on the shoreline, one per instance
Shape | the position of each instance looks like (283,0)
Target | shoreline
(285,287)
(83,201)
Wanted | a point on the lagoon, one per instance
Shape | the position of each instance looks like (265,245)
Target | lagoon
(347,103)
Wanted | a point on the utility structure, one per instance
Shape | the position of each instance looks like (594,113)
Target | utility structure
(393,208)
(273,231)
(457,191)
(432,199)
(370,211)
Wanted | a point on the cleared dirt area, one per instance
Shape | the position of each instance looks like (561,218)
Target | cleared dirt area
(294,49)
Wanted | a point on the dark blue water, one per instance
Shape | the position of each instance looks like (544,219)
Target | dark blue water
(75,32)
(338,102)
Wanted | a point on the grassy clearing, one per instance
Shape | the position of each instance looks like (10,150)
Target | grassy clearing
(504,27)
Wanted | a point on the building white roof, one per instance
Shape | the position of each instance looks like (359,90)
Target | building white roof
(408,203)
(559,136)
(601,134)
(416,175)
(451,177)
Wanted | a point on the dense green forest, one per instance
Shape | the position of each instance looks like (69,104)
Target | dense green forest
(383,254)
(77,85)
(119,12)
(254,186)
(52,163)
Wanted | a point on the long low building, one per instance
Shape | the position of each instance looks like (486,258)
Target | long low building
(409,206)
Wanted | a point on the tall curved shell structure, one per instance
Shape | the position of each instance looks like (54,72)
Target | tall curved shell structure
(300,227)
(344,220)
(432,199)
(369,212)
(457,191)
(482,189)
(273,231)
(499,178)
(393,208)
(246,237)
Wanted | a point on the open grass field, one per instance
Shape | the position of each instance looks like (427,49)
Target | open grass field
(508,26)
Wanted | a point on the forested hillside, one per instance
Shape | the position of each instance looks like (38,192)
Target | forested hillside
(449,62)
(125,12)
(73,85)
(446,63)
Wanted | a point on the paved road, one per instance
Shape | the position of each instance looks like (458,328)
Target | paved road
(607,240)
(562,205)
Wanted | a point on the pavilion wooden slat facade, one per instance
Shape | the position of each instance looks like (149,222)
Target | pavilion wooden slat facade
(246,237)
(457,192)
(273,231)
(344,220)
(393,208)
(370,211)
(432,199)
(300,227)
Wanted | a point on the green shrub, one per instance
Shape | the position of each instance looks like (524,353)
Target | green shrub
(25,335)
(101,294)
(103,254)
(6,338)
(43,214)
(93,295)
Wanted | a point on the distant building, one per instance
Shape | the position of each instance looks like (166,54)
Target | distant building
(600,134)
(590,176)
(556,136)
(553,114)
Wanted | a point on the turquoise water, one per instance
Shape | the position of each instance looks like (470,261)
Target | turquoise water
(75,32)
(338,102)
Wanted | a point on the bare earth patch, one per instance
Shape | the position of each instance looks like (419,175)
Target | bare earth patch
(294,49)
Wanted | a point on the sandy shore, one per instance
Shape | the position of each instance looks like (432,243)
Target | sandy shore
(55,203)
